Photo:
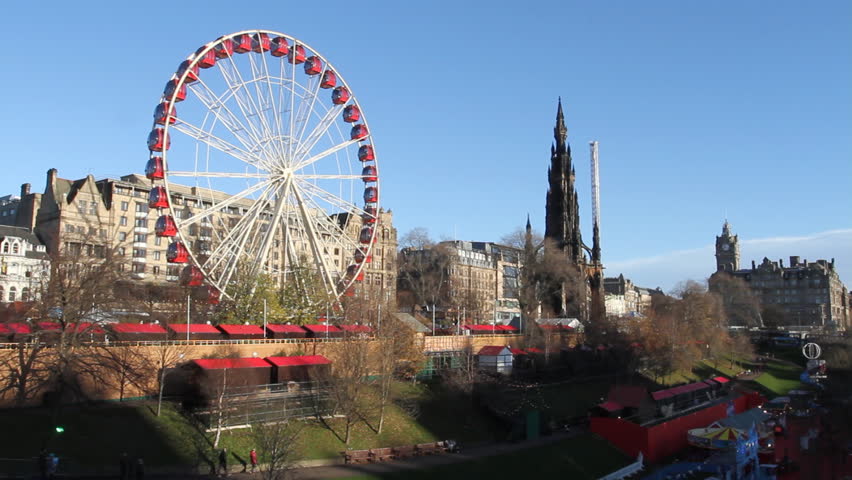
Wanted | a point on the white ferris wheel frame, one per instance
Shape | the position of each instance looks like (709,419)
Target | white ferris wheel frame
(280,171)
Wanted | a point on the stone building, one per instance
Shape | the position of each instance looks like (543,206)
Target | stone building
(381,271)
(24,265)
(623,298)
(809,293)
(89,217)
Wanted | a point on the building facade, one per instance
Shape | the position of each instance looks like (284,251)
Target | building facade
(24,265)
(90,218)
(809,293)
(623,298)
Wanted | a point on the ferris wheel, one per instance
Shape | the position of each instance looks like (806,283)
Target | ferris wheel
(262,163)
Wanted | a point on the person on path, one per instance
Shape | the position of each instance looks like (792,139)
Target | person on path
(124,467)
(52,466)
(253,460)
(42,464)
(140,469)
(223,461)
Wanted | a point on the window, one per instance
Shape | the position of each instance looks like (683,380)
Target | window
(93,208)
(138,268)
(69,228)
(124,206)
(122,236)
(121,251)
(140,238)
(102,233)
(13,292)
(122,221)
(156,255)
(5,247)
(156,269)
(158,241)
(81,207)
(81,230)
(141,222)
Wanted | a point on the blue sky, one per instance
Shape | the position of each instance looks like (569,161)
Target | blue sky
(702,109)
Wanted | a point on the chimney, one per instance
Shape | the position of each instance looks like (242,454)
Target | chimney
(753,266)
(794,260)
(25,190)
(781,262)
(51,179)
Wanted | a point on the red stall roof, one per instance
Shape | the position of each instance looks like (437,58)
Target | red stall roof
(491,350)
(481,328)
(5,329)
(241,329)
(220,363)
(356,328)
(49,326)
(517,351)
(17,327)
(193,328)
(720,379)
(138,328)
(659,395)
(322,328)
(275,327)
(507,328)
(298,360)
(611,406)
(548,326)
(534,350)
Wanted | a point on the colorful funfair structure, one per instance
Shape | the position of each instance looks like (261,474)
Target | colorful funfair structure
(271,158)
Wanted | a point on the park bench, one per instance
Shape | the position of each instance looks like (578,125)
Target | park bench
(428,448)
(381,454)
(356,456)
(405,451)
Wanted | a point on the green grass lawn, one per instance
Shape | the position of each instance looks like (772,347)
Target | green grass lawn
(579,458)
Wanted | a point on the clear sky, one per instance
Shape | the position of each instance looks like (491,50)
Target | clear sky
(702,109)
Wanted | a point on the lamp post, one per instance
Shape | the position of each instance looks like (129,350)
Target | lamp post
(187,316)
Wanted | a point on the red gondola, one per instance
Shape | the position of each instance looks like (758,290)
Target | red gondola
(340,95)
(164,112)
(313,65)
(242,43)
(329,79)
(352,270)
(206,60)
(213,295)
(177,253)
(366,235)
(279,47)
(224,49)
(191,276)
(260,43)
(157,198)
(154,169)
(358,132)
(369,174)
(371,195)
(191,71)
(158,140)
(165,226)
(365,153)
(296,54)
(170,90)
(351,114)
(361,256)
(369,215)
(350,292)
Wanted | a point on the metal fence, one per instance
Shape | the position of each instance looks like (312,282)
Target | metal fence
(245,406)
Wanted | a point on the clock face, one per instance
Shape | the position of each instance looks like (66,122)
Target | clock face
(726,246)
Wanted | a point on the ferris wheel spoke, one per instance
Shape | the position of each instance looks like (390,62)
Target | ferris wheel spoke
(219,144)
(334,229)
(314,92)
(225,203)
(333,199)
(325,153)
(265,105)
(319,256)
(237,86)
(316,134)
(220,174)
(266,243)
(233,237)
(311,176)
(224,114)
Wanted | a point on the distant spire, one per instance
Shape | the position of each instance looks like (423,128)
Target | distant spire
(560,132)
(529,226)
(726,228)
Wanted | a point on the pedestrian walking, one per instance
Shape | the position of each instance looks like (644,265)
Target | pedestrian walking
(124,467)
(42,464)
(253,460)
(223,461)
(52,466)
(140,469)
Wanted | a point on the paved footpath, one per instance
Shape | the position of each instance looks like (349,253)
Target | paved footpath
(334,468)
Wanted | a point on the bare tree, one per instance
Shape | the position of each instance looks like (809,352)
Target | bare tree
(276,444)
(168,356)
(396,345)
(348,382)
(741,303)
(424,267)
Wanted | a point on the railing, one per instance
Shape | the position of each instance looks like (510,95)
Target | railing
(631,469)
(155,343)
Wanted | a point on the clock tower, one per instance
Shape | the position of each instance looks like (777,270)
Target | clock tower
(727,251)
